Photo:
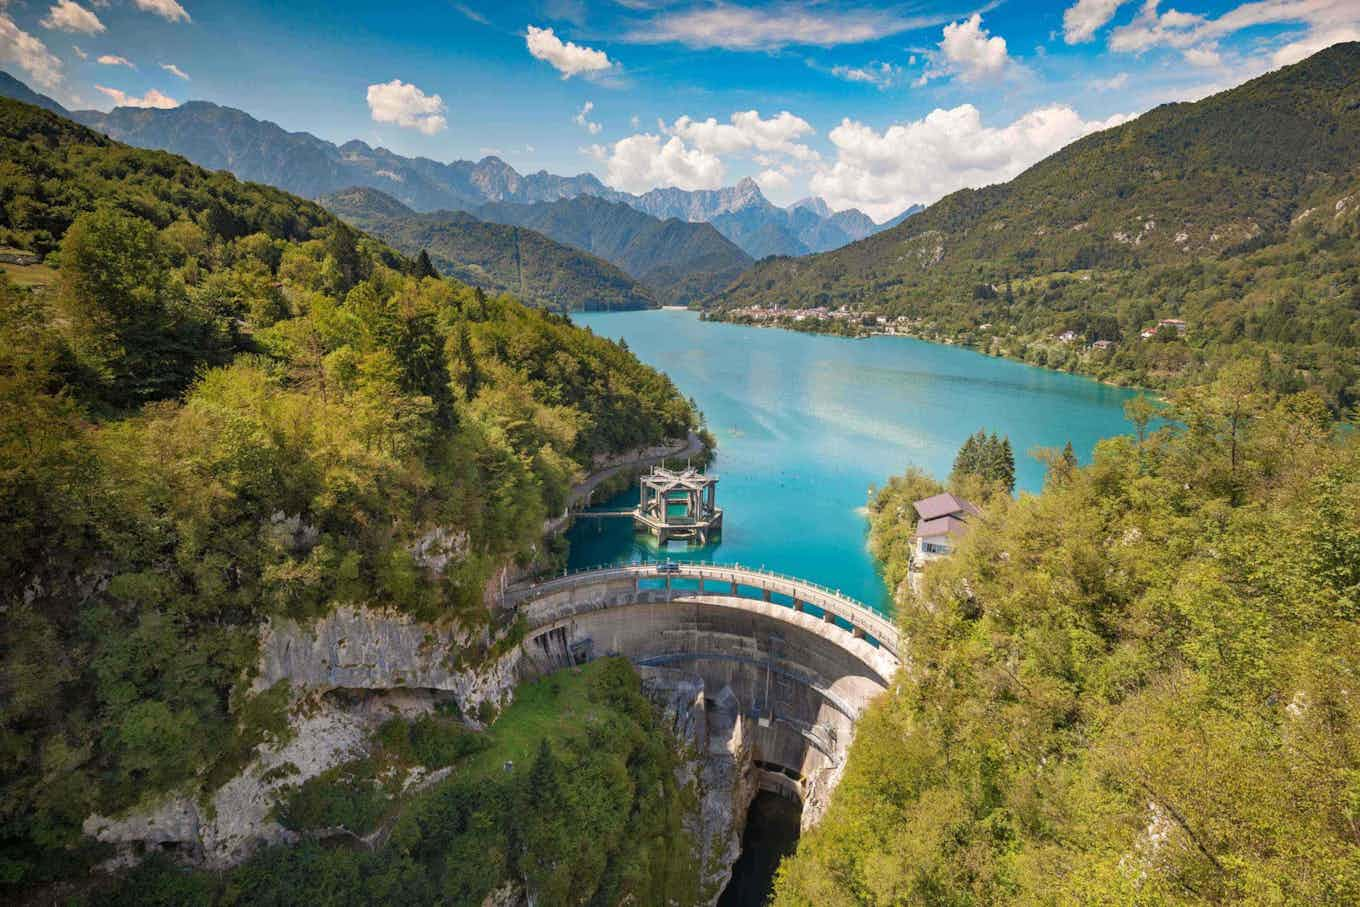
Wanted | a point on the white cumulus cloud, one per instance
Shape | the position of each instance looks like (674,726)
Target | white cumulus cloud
(1114,83)
(114,60)
(972,51)
(746,131)
(19,48)
(169,10)
(969,51)
(646,160)
(67,15)
(1082,20)
(772,181)
(583,120)
(175,71)
(567,58)
(406,106)
(690,153)
(152,98)
(1204,55)
(1151,28)
(881,173)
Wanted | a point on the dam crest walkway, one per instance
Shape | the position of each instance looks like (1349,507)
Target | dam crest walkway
(842,619)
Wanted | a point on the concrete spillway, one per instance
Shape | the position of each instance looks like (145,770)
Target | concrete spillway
(802,661)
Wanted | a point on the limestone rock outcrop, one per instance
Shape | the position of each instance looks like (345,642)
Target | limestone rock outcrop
(367,649)
(401,666)
(718,764)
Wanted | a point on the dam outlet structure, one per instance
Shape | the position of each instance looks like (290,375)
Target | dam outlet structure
(785,664)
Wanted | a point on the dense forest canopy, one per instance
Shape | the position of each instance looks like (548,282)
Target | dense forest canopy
(1135,687)
(1239,214)
(227,406)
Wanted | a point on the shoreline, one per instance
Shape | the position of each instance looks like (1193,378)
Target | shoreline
(1142,389)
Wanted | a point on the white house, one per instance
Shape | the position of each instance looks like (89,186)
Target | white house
(943,518)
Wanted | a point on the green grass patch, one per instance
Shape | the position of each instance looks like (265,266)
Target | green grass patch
(554,708)
(30,276)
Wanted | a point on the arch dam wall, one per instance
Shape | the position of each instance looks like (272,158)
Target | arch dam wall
(787,665)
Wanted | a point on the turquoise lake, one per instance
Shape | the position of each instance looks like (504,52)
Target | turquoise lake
(806,424)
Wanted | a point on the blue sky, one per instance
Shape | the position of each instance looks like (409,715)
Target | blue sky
(873,105)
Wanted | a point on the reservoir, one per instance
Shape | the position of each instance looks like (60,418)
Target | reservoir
(807,423)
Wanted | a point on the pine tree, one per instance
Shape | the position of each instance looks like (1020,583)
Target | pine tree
(342,246)
(471,377)
(966,462)
(988,457)
(423,266)
(1007,472)
(1069,456)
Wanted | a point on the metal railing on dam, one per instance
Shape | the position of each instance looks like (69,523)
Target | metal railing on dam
(726,581)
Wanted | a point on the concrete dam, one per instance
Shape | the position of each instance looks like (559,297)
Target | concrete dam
(785,664)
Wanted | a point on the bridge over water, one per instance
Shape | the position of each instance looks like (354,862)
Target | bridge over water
(798,661)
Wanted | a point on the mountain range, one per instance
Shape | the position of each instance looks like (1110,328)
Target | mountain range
(500,258)
(680,261)
(224,138)
(1233,222)
(1223,175)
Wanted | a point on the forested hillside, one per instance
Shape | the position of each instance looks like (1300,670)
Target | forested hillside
(1237,214)
(679,261)
(1134,688)
(498,257)
(228,407)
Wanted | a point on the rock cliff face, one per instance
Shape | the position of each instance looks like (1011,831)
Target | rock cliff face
(363,649)
(718,765)
(236,820)
(402,664)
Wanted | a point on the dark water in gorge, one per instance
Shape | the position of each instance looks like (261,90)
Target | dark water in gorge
(771,834)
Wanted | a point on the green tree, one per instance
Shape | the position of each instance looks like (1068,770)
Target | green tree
(988,458)
(1140,411)
(423,266)
(470,377)
(132,331)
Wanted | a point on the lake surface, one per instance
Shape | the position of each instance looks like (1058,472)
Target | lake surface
(807,423)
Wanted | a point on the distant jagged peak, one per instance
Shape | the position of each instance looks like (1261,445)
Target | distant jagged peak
(814,203)
(748,187)
(497,163)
